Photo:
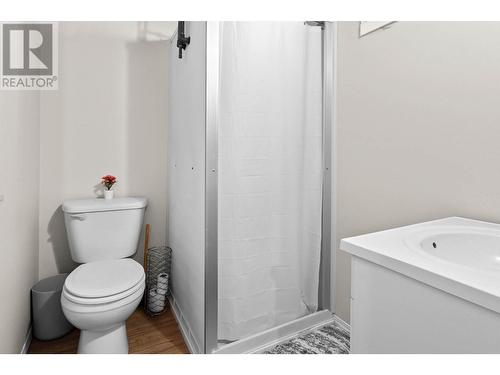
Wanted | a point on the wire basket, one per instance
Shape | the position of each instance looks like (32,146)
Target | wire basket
(159,265)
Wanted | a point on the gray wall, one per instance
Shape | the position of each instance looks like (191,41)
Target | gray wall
(19,155)
(108,116)
(418,134)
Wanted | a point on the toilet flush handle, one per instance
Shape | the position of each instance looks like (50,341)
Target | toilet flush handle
(80,217)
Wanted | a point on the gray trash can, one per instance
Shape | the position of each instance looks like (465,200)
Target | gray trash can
(49,321)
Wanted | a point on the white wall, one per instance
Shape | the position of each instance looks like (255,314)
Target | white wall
(418,128)
(186,181)
(19,155)
(108,116)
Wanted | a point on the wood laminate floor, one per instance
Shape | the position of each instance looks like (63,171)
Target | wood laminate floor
(146,335)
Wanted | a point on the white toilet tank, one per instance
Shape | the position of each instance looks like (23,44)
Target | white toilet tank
(100,229)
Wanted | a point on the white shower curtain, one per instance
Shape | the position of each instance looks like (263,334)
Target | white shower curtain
(270,162)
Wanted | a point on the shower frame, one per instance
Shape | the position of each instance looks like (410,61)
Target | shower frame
(326,295)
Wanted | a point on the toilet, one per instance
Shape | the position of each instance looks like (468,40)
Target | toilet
(101,294)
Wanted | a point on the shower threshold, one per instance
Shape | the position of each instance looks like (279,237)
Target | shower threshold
(262,341)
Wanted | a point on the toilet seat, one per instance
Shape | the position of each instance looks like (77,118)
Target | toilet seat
(98,305)
(104,282)
(106,299)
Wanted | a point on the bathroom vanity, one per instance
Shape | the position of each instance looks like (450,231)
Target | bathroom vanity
(432,287)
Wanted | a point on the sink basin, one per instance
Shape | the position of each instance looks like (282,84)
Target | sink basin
(473,248)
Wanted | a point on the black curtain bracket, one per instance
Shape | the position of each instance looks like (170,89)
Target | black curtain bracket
(182,40)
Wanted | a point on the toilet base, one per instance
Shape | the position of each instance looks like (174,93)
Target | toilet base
(111,341)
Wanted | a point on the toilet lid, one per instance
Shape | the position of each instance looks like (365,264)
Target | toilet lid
(104,278)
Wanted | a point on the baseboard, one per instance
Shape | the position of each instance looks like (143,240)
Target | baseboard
(188,337)
(27,341)
(262,341)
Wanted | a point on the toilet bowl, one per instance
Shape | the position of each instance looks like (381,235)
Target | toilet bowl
(98,297)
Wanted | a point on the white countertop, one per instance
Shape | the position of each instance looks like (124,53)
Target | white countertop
(393,249)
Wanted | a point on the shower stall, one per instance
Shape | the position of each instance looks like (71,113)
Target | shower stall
(250,181)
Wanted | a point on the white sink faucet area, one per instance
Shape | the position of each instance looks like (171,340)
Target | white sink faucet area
(432,287)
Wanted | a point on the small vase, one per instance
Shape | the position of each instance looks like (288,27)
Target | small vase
(109,194)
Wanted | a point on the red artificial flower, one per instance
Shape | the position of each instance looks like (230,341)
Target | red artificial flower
(108,181)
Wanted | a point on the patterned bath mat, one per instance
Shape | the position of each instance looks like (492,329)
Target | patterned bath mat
(330,339)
